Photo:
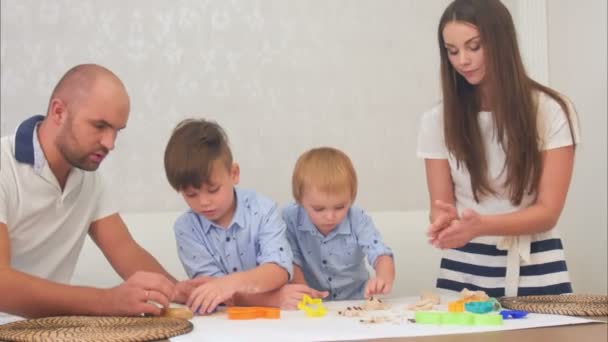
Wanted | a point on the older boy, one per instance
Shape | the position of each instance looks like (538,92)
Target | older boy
(232,235)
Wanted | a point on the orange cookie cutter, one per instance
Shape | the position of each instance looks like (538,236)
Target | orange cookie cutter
(458,305)
(253,312)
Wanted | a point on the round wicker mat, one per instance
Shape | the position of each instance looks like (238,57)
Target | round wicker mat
(87,328)
(568,304)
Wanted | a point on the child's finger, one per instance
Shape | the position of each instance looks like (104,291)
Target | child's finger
(375,287)
(379,287)
(191,298)
(319,294)
(205,307)
(195,306)
(293,304)
(213,305)
(313,293)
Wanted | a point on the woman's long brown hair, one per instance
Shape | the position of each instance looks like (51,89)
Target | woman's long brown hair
(513,99)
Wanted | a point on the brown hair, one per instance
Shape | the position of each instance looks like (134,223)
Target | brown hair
(326,168)
(513,96)
(191,151)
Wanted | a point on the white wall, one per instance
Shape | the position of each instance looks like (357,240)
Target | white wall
(280,76)
(577,61)
(283,76)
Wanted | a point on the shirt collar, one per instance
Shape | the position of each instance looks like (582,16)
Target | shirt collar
(26,142)
(39,158)
(306,225)
(238,218)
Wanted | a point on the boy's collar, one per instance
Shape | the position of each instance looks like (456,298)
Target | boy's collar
(305,224)
(238,217)
(239,211)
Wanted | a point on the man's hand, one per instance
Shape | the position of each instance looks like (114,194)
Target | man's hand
(133,297)
(291,294)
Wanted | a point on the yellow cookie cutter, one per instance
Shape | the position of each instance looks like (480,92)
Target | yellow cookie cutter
(312,307)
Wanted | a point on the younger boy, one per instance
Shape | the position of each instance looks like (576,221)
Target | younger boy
(329,236)
(233,236)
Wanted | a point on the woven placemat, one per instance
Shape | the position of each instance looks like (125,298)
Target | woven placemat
(87,328)
(568,304)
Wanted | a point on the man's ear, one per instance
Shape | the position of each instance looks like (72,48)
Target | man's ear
(235,173)
(58,111)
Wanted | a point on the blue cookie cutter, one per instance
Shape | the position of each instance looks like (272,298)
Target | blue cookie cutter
(514,314)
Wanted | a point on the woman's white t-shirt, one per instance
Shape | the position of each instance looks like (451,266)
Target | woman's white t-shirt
(482,263)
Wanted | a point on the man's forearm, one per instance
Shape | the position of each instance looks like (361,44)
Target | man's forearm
(29,296)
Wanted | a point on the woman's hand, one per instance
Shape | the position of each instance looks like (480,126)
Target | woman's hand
(459,232)
(446,215)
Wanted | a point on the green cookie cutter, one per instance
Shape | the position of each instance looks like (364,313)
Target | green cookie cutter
(458,318)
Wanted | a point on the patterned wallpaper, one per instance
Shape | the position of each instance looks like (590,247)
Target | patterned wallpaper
(280,76)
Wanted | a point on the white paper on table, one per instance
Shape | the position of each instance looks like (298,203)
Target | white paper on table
(295,326)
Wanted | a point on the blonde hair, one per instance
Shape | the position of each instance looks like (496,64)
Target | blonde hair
(326,168)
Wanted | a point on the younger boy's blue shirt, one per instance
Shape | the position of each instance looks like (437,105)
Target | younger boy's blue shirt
(255,236)
(335,263)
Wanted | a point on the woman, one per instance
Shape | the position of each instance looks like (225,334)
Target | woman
(499,154)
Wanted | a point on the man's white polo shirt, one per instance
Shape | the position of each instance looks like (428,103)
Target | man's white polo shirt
(46,226)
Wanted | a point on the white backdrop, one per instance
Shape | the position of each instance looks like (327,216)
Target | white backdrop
(280,76)
(284,76)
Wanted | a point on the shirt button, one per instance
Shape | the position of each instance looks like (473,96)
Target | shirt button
(281,249)
(234,269)
(324,262)
(228,239)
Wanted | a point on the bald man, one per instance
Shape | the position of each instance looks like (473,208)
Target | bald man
(49,203)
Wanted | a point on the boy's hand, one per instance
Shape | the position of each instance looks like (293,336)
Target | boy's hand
(183,288)
(378,285)
(447,214)
(291,294)
(206,297)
